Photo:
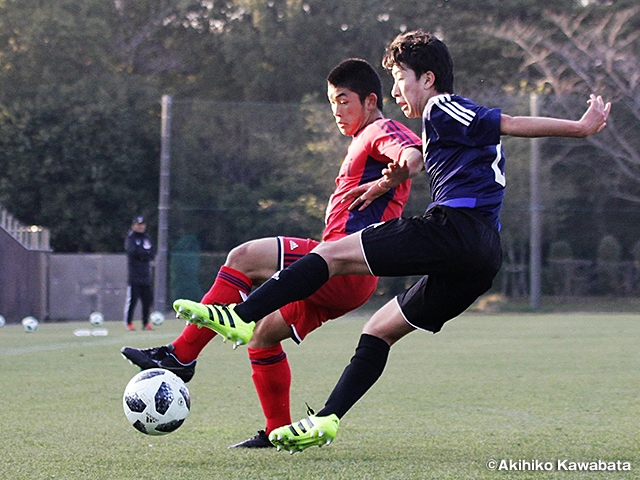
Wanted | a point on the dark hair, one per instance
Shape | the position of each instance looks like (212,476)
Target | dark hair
(421,52)
(358,76)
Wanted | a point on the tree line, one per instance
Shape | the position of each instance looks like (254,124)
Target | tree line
(81,82)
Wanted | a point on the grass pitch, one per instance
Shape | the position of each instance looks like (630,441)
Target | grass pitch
(511,388)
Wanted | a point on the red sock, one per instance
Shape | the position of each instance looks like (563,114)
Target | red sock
(228,287)
(271,376)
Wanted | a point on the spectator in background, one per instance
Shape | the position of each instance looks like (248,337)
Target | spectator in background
(140,252)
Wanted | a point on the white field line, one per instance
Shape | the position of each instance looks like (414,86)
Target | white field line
(81,342)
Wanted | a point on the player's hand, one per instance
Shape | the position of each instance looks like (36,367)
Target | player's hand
(364,194)
(396,172)
(595,118)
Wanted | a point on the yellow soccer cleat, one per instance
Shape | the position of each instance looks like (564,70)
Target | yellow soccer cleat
(308,432)
(221,319)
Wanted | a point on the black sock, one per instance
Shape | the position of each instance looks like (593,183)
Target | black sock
(296,282)
(363,371)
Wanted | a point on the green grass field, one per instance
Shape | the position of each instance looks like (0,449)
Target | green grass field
(512,387)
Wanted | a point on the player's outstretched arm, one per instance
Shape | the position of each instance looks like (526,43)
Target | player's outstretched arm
(593,120)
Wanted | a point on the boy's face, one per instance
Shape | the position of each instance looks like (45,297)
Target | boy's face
(411,93)
(139,227)
(350,113)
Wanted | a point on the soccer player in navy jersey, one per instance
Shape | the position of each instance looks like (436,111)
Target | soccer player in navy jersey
(355,93)
(455,244)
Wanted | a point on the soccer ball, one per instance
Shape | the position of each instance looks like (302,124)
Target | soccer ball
(30,324)
(3,321)
(156,401)
(157,318)
(96,319)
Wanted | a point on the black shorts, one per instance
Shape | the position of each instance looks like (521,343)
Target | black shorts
(456,249)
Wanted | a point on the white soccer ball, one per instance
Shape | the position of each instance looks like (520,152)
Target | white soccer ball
(156,401)
(157,318)
(96,319)
(3,321)
(30,324)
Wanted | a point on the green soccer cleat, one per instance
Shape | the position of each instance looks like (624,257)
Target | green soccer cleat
(306,433)
(221,319)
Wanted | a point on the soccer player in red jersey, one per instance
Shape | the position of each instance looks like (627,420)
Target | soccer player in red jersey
(354,90)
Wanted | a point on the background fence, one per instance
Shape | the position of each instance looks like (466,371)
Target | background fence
(243,171)
(36,281)
(240,171)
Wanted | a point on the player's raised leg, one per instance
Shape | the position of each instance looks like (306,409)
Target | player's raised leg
(296,282)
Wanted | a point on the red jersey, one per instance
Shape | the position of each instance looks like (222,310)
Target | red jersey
(371,149)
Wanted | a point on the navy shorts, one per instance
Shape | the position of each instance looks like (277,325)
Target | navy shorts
(456,249)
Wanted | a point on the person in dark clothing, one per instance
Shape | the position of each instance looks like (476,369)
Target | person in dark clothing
(140,252)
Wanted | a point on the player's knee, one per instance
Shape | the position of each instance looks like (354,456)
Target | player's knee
(269,332)
(388,324)
(344,256)
(241,258)
(234,257)
(324,249)
(331,256)
(261,341)
(256,258)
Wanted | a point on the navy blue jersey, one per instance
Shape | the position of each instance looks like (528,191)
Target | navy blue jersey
(463,155)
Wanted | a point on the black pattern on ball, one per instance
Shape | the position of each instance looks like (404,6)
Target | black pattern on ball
(186,395)
(138,425)
(164,398)
(135,403)
(170,426)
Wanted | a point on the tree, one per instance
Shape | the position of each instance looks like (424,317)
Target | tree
(81,81)
(567,55)
(79,131)
(597,50)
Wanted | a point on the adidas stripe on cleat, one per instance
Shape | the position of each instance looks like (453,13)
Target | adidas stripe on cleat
(222,319)
(308,432)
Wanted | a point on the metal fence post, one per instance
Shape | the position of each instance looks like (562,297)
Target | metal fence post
(160,286)
(535,270)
